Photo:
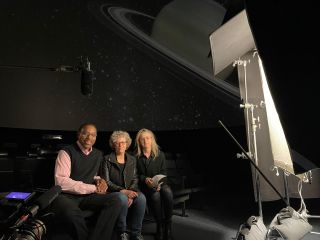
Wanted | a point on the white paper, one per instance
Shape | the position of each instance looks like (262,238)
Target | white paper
(157,179)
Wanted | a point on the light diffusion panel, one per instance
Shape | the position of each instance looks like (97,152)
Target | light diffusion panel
(233,43)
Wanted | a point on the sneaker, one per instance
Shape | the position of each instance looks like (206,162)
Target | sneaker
(124,236)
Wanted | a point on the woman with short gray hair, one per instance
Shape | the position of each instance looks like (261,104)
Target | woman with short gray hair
(119,170)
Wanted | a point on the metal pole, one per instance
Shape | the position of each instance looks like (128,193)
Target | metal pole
(286,188)
(257,177)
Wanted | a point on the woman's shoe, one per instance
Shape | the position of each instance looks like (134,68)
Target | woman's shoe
(168,231)
(124,236)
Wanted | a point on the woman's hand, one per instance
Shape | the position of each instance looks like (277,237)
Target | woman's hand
(130,194)
(130,201)
(149,182)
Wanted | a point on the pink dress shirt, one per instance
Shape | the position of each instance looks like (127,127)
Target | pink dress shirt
(63,171)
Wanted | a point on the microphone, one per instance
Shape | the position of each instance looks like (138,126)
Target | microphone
(87,78)
(40,203)
(87,75)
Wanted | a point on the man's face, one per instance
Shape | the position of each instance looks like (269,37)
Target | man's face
(87,136)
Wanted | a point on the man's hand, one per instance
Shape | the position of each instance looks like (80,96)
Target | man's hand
(102,186)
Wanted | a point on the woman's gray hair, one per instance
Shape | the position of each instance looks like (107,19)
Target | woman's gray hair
(118,134)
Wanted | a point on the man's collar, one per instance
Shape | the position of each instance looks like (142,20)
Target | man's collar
(85,151)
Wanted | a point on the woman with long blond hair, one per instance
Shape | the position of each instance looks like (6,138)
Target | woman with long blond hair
(151,162)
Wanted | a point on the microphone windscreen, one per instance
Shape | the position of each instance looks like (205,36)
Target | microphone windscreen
(87,78)
(46,198)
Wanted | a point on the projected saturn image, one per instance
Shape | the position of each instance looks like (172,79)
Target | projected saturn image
(178,35)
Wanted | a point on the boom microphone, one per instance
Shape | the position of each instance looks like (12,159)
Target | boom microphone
(87,75)
(40,203)
(87,78)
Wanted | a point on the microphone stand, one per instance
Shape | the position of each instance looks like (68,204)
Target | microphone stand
(83,64)
(52,69)
(27,67)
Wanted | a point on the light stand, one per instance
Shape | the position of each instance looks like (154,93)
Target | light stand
(250,108)
(258,228)
(233,44)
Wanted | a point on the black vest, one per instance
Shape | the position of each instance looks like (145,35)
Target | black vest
(83,167)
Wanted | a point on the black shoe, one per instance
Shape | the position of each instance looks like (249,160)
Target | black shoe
(160,233)
(124,236)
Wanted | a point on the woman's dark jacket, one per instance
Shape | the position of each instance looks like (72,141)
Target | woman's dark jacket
(111,172)
(151,167)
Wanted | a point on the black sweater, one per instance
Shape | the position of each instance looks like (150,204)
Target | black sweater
(83,167)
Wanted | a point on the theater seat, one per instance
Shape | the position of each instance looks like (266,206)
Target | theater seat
(176,180)
(183,181)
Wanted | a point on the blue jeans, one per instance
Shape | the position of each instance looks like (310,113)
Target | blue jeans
(134,213)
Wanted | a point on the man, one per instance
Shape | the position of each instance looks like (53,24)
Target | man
(76,171)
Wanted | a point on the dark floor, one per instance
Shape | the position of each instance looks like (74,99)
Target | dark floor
(221,221)
(218,217)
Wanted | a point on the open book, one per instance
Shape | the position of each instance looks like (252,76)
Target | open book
(158,180)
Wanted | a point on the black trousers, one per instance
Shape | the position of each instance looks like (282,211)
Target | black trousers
(70,209)
(161,203)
